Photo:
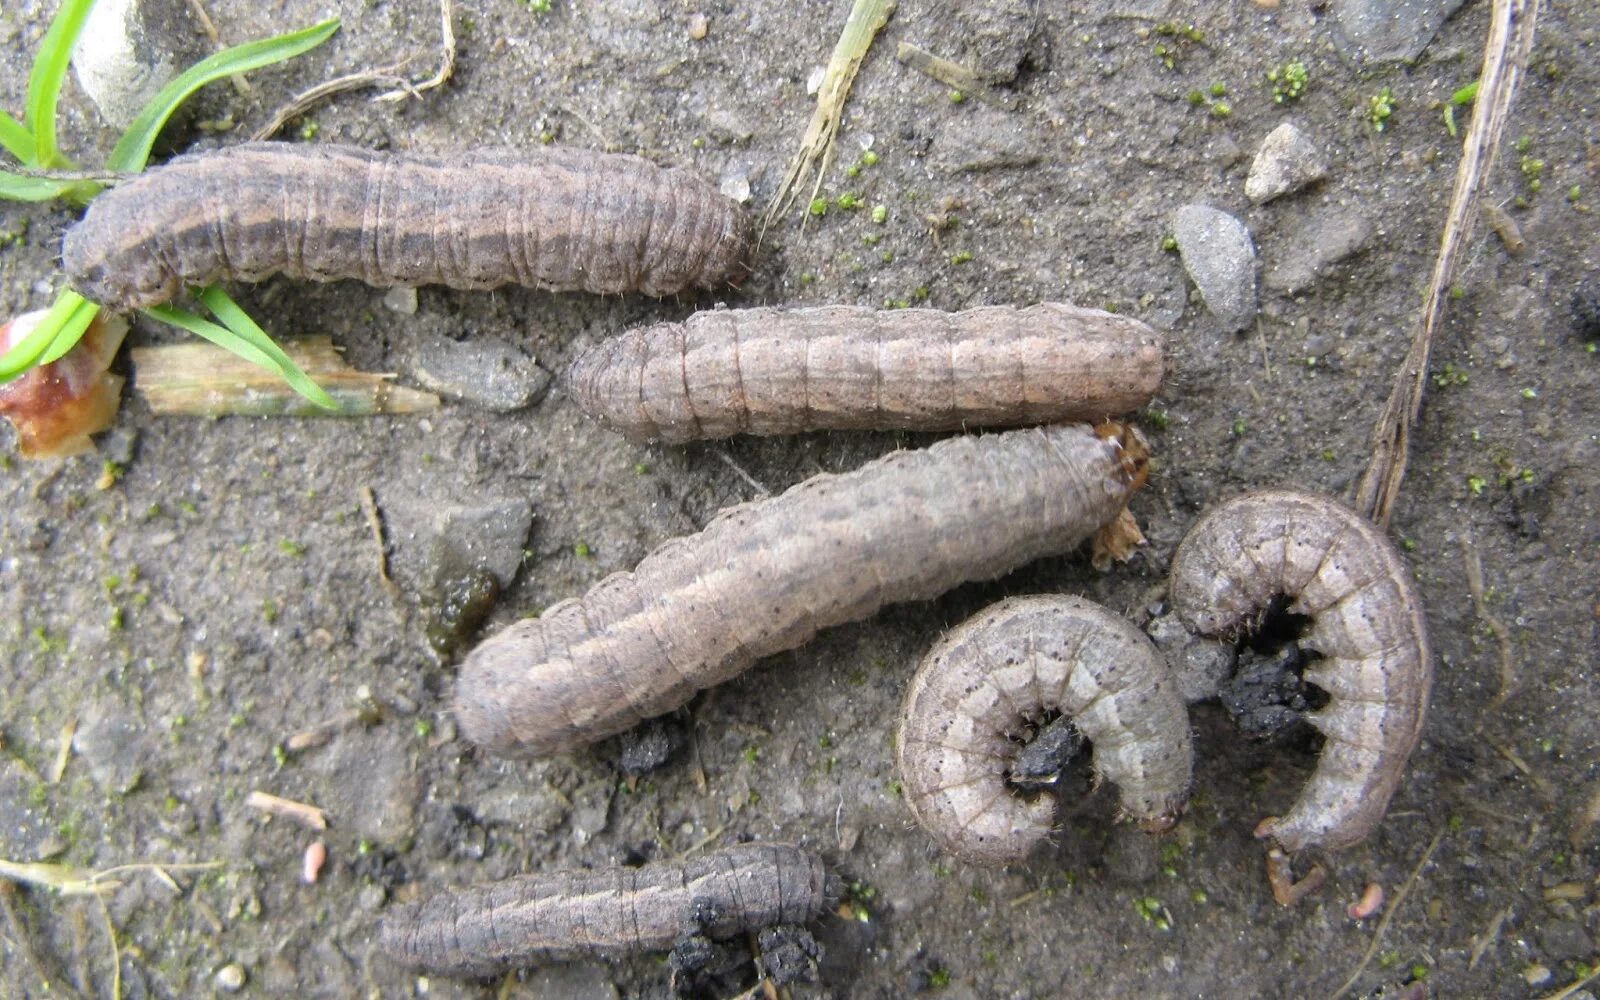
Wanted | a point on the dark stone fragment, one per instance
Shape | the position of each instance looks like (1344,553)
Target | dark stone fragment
(1040,763)
(788,954)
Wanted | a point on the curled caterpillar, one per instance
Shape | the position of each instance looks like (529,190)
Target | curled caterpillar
(997,677)
(560,219)
(1367,630)
(766,576)
(783,371)
(487,929)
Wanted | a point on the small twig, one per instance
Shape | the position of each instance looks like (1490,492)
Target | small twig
(1482,942)
(1388,916)
(317,735)
(739,471)
(369,506)
(952,75)
(24,944)
(387,76)
(447,61)
(1517,762)
(1511,29)
(1480,604)
(1585,821)
(1567,991)
(63,750)
(310,817)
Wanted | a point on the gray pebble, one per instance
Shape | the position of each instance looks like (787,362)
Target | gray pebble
(113,747)
(1221,259)
(401,300)
(1287,161)
(129,50)
(1565,941)
(1389,30)
(997,37)
(1317,245)
(487,373)
(1198,664)
(985,139)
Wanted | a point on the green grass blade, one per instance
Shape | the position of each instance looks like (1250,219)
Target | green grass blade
(16,138)
(237,320)
(27,353)
(202,327)
(44,83)
(72,330)
(16,187)
(133,149)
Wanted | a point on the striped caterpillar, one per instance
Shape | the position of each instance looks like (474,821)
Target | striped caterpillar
(782,371)
(1366,625)
(487,929)
(994,678)
(560,219)
(766,576)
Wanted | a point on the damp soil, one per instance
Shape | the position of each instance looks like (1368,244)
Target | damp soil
(221,592)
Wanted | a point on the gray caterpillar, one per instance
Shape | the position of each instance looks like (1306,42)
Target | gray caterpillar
(766,576)
(1367,625)
(995,678)
(560,219)
(484,930)
(783,371)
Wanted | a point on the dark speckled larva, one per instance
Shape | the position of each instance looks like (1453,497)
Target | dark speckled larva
(766,576)
(995,678)
(483,930)
(783,371)
(1366,626)
(561,219)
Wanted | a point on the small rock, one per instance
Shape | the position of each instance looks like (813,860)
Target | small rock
(114,747)
(736,185)
(699,25)
(1221,259)
(129,50)
(372,897)
(488,373)
(402,300)
(1389,30)
(1565,941)
(230,978)
(997,37)
(1132,856)
(788,954)
(1287,161)
(650,744)
(591,810)
(1321,243)
(985,139)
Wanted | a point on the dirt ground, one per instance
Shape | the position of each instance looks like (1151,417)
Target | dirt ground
(223,592)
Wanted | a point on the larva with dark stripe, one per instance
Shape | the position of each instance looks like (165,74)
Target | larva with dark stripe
(560,219)
(764,577)
(487,929)
(997,677)
(782,371)
(1367,628)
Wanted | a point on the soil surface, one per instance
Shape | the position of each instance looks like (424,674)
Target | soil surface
(220,592)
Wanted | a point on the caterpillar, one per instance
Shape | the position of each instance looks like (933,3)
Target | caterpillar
(560,219)
(1367,629)
(782,371)
(486,929)
(766,576)
(995,678)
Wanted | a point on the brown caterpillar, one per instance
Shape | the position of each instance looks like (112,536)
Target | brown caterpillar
(766,576)
(1366,624)
(994,678)
(782,371)
(561,219)
(483,930)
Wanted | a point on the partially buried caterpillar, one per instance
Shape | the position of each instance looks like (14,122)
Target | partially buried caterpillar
(997,677)
(764,577)
(1367,631)
(781,371)
(559,219)
(482,930)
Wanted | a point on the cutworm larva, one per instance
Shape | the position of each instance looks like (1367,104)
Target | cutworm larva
(487,929)
(766,576)
(1366,628)
(782,371)
(997,677)
(561,219)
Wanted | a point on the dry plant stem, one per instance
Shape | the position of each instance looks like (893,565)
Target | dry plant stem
(1480,604)
(310,817)
(54,985)
(867,18)
(304,101)
(485,929)
(997,677)
(447,60)
(783,371)
(1505,58)
(766,576)
(951,74)
(1388,915)
(1571,988)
